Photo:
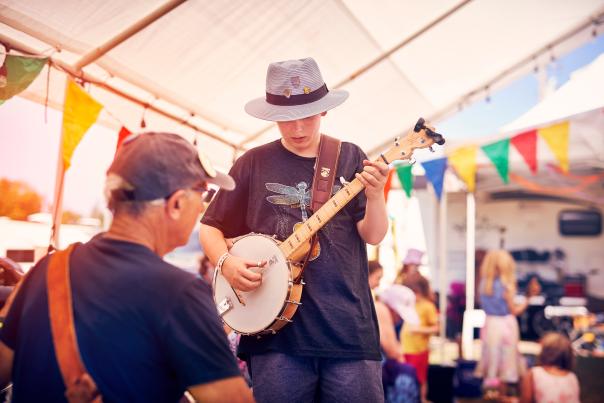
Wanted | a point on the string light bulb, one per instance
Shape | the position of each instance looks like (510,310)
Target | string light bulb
(143,123)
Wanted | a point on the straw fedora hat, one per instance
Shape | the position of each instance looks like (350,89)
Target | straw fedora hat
(294,90)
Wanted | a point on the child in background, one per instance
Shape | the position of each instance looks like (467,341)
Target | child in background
(415,337)
(552,381)
(411,264)
(376,272)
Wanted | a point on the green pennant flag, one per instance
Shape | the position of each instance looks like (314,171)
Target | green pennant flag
(498,153)
(17,73)
(403,172)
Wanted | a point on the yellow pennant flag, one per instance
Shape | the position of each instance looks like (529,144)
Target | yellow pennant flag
(80,111)
(556,137)
(463,160)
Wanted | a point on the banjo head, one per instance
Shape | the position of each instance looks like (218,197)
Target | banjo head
(264,304)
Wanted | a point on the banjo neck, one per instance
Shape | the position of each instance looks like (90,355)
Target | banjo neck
(310,227)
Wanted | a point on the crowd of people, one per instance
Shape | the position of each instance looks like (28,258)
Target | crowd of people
(405,348)
(111,319)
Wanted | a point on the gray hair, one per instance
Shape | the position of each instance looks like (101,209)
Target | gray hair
(115,185)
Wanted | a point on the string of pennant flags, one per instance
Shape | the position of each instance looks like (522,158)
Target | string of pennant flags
(463,159)
(81,112)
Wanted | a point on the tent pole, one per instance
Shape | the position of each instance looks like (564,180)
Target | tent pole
(139,25)
(57,204)
(468,325)
(442,271)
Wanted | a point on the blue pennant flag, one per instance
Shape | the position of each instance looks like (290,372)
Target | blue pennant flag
(435,172)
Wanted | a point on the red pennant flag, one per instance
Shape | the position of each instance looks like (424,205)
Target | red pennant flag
(526,144)
(121,136)
(388,184)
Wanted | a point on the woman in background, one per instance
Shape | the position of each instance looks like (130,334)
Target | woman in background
(500,363)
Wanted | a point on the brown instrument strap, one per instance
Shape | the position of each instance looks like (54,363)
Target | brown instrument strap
(60,306)
(325,171)
(322,184)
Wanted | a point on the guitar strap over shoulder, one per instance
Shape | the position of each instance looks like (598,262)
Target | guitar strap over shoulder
(325,171)
(322,184)
(80,386)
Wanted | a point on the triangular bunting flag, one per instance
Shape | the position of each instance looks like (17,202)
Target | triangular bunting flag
(405,177)
(464,161)
(526,144)
(498,153)
(435,172)
(556,137)
(80,111)
(17,73)
(121,136)
(388,184)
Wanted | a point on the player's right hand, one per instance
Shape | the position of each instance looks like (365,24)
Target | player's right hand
(243,274)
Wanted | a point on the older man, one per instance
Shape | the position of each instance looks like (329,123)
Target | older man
(146,331)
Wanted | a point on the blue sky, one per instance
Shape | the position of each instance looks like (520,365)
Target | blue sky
(485,118)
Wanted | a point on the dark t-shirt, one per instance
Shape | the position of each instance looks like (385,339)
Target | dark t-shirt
(146,330)
(337,317)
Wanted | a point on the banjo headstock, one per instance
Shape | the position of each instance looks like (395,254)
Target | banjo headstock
(422,136)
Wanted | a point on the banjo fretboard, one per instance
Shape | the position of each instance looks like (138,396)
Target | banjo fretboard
(331,207)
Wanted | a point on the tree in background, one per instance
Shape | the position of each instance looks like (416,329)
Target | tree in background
(18,199)
(69,217)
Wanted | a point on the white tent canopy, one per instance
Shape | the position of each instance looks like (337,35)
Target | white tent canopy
(584,92)
(199,62)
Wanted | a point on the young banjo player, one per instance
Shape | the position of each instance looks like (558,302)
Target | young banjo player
(330,351)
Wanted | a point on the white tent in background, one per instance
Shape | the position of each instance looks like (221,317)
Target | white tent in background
(581,101)
(584,92)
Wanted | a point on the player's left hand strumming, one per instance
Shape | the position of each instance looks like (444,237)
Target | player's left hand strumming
(373,178)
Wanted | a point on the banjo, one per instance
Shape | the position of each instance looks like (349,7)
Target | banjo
(271,306)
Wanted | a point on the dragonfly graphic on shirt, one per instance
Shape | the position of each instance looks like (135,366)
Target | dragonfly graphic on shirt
(295,197)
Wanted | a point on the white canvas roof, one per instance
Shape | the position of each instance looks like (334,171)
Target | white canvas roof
(200,61)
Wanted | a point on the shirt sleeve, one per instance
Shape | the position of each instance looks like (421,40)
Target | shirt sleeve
(194,339)
(227,211)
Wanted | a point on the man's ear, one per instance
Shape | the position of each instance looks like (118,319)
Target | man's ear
(174,204)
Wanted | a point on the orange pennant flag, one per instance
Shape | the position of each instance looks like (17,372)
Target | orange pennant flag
(388,184)
(463,160)
(80,111)
(121,136)
(556,137)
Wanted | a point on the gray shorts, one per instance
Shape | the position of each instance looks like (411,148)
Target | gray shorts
(278,377)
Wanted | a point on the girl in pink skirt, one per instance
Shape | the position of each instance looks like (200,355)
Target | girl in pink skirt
(500,363)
